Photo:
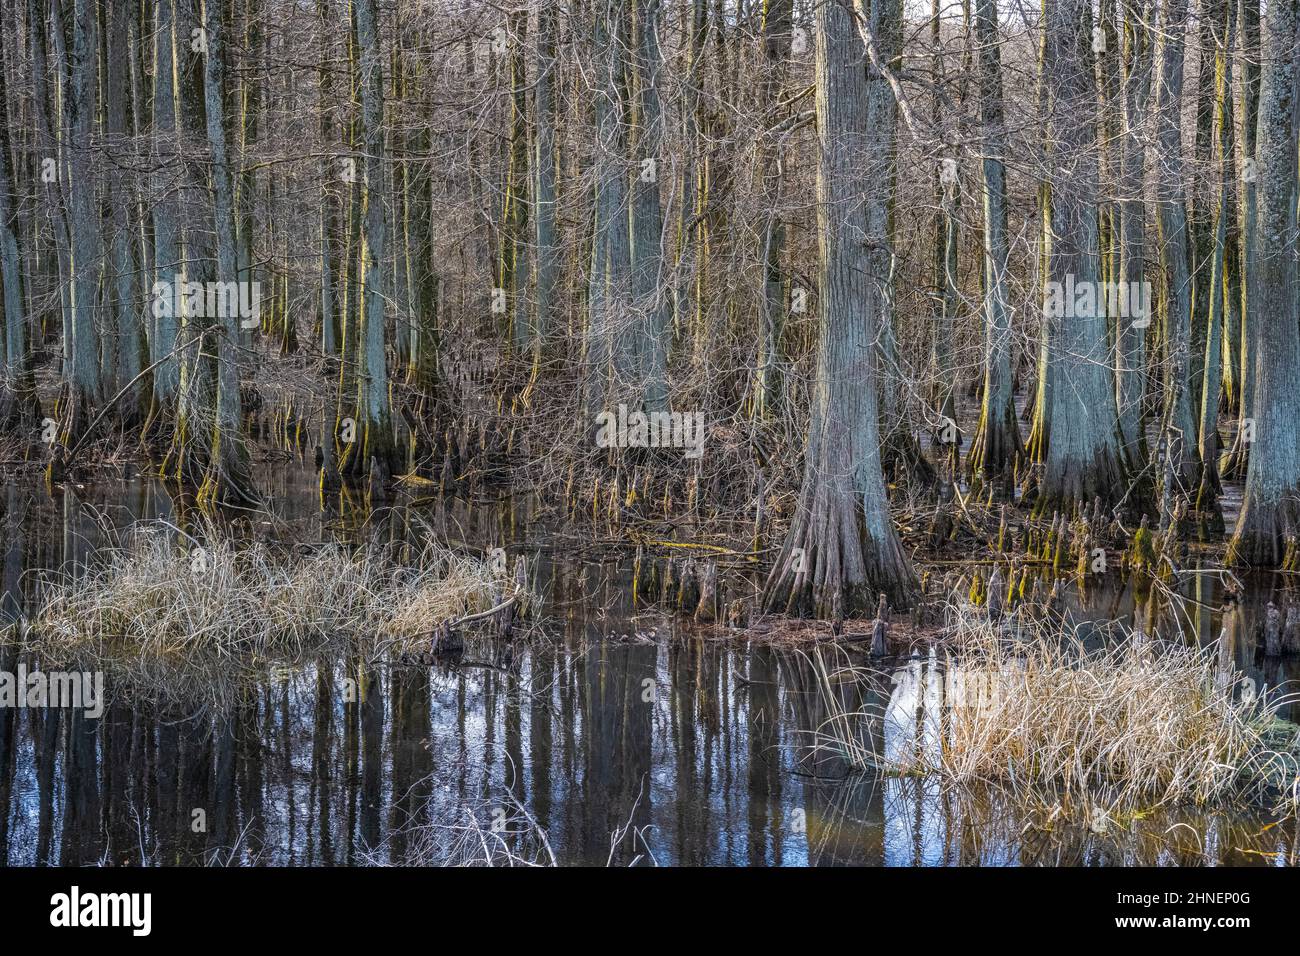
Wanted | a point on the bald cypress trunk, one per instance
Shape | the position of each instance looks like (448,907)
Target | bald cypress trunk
(901,455)
(692,229)
(768,385)
(653,305)
(1179,425)
(374,425)
(1202,196)
(190,453)
(46,115)
(227,474)
(996,445)
(330,201)
(166,228)
(1218,289)
(1270,511)
(18,401)
(842,549)
(609,286)
(84,384)
(1131,334)
(546,262)
(127,302)
(512,268)
(1245,334)
(947,199)
(1083,457)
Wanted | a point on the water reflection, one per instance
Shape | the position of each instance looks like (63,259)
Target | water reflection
(694,749)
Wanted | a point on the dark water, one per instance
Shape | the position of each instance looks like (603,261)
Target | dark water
(681,747)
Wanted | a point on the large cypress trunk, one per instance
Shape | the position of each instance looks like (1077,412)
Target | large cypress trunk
(648,286)
(901,454)
(1131,353)
(546,262)
(228,470)
(1179,424)
(1083,459)
(128,333)
(1270,510)
(842,548)
(1246,335)
(997,444)
(84,382)
(512,269)
(1218,290)
(608,340)
(947,202)
(768,385)
(166,228)
(375,420)
(18,399)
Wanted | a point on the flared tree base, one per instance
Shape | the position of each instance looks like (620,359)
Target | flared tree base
(1071,484)
(832,566)
(994,452)
(902,459)
(1265,534)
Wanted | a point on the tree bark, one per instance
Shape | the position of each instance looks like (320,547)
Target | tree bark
(997,445)
(1270,509)
(1179,424)
(842,550)
(1083,458)
(1131,354)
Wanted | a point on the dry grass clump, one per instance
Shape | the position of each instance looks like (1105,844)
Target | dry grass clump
(161,602)
(1128,727)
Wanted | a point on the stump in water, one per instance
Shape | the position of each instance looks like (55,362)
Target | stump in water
(738,614)
(1056,599)
(1036,595)
(995,598)
(1272,630)
(706,611)
(521,579)
(375,490)
(880,629)
(942,525)
(688,587)
(1224,668)
(1142,553)
(1291,632)
(447,640)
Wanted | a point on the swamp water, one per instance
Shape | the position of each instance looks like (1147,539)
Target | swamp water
(608,733)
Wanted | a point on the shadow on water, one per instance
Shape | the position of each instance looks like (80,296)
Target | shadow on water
(623,735)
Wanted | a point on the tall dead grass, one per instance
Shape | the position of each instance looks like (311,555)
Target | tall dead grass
(162,607)
(1032,708)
